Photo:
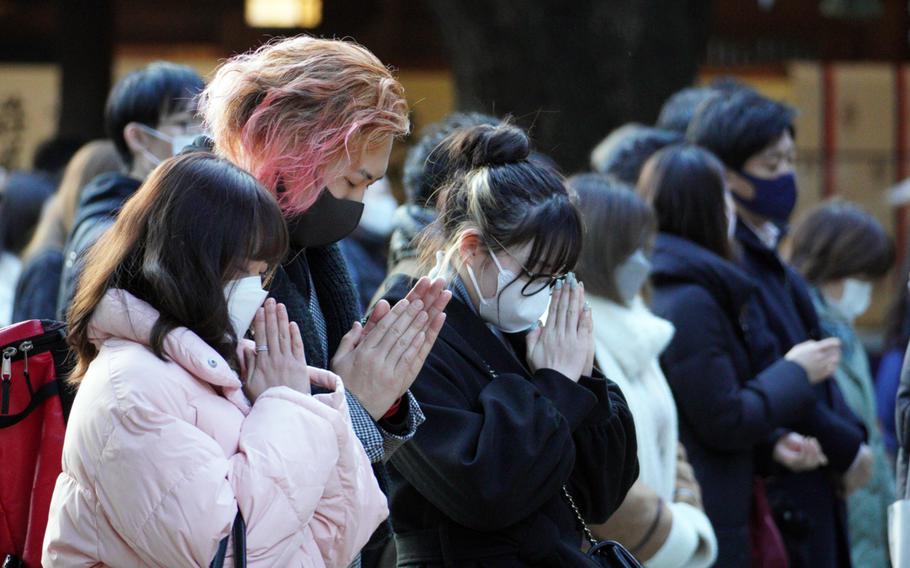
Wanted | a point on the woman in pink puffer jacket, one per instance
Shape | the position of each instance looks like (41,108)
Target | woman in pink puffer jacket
(163,446)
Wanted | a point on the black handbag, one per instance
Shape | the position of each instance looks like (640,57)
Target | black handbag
(239,533)
(606,553)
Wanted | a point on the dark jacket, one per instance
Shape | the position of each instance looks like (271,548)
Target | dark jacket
(481,482)
(365,253)
(902,422)
(99,204)
(811,516)
(325,268)
(729,395)
(38,286)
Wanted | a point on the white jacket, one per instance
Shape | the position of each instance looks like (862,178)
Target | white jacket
(628,342)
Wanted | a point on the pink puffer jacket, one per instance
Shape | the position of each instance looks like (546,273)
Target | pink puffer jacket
(156,461)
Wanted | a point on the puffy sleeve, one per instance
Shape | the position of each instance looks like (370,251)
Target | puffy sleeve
(724,412)
(299,478)
(490,460)
(606,453)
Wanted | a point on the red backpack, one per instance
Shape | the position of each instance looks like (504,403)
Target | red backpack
(34,361)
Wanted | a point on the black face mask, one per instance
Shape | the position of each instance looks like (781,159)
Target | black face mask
(327,221)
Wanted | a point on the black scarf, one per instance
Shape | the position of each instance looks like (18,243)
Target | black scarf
(336,293)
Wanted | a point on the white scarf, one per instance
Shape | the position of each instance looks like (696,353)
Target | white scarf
(628,342)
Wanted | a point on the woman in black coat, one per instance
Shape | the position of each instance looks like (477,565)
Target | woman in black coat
(514,420)
(731,395)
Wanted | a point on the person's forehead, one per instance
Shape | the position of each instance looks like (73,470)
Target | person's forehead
(521,252)
(783,143)
(374,160)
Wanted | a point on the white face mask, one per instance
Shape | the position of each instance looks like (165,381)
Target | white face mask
(244,296)
(508,309)
(379,209)
(631,275)
(855,300)
(178,143)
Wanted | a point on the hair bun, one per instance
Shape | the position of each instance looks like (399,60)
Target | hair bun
(485,145)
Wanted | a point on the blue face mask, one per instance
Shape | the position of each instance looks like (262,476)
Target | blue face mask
(774,198)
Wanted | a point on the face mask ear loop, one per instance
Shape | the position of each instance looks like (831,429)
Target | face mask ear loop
(152,158)
(155,160)
(474,278)
(495,260)
(500,285)
(476,285)
(156,133)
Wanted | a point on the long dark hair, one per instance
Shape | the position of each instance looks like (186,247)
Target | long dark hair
(509,199)
(188,230)
(685,186)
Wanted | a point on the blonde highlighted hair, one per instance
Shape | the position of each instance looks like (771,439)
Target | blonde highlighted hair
(289,110)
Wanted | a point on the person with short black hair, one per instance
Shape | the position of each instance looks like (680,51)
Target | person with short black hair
(731,388)
(150,116)
(754,138)
(623,153)
(678,110)
(841,250)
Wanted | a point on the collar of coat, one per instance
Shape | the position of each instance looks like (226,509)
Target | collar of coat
(678,260)
(632,335)
(334,290)
(120,315)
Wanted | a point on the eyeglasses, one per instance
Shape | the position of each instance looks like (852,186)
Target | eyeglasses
(537,281)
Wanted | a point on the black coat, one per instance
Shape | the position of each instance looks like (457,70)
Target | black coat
(365,253)
(481,482)
(336,293)
(340,309)
(729,400)
(99,204)
(902,420)
(811,516)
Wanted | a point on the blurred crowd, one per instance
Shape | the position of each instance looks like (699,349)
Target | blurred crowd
(511,367)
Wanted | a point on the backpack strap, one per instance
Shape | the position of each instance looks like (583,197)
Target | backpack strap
(46,391)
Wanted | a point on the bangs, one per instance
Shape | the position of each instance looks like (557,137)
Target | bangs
(555,229)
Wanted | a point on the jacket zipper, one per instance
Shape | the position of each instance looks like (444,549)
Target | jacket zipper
(24,348)
(6,376)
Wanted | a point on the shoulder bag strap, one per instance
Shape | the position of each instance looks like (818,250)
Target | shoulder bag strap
(239,533)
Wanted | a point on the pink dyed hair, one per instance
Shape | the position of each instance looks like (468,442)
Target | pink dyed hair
(289,110)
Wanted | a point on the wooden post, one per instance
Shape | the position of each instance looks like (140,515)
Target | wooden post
(85,55)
